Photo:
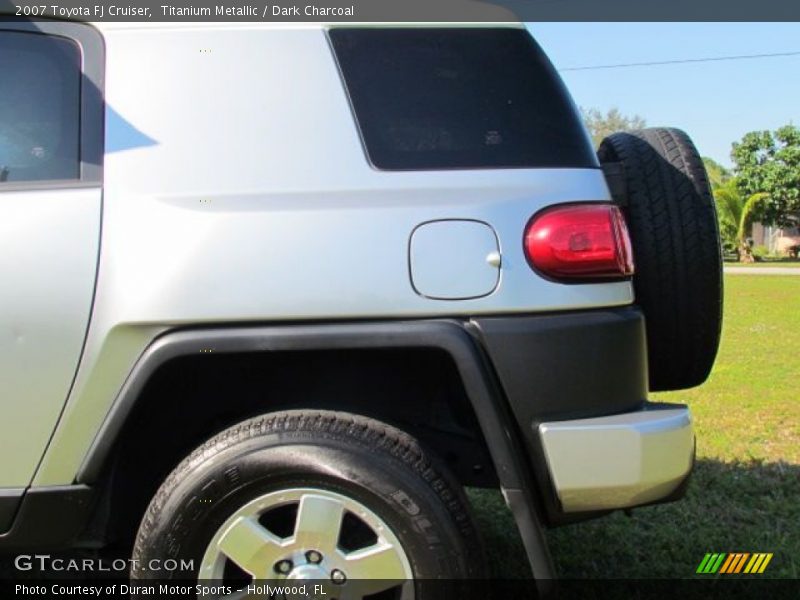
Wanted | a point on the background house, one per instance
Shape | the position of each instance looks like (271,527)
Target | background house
(778,240)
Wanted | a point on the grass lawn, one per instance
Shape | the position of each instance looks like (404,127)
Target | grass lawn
(745,492)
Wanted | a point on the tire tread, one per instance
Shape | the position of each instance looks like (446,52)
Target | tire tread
(672,218)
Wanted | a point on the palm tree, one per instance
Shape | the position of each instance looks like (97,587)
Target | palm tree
(736,216)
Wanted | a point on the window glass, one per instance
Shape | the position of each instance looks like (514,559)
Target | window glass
(439,98)
(39,107)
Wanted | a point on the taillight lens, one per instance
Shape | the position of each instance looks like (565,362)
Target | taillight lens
(580,241)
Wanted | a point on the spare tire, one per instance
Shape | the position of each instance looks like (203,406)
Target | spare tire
(673,226)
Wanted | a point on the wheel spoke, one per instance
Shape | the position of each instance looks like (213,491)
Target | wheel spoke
(319,520)
(251,547)
(376,568)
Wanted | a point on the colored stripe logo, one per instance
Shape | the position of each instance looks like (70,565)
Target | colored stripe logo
(734,563)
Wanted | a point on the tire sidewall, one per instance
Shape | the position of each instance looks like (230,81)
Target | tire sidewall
(204,499)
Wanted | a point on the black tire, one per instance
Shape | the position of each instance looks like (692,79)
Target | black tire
(377,465)
(673,225)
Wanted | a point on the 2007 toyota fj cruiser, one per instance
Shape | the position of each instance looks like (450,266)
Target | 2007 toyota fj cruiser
(272,295)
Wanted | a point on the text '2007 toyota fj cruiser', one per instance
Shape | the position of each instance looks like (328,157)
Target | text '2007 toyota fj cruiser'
(273,295)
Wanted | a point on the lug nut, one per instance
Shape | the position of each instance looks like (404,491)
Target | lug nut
(283,566)
(338,577)
(314,557)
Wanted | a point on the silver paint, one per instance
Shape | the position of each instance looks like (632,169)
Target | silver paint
(236,190)
(621,460)
(48,258)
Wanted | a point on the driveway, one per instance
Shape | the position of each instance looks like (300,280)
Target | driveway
(762,270)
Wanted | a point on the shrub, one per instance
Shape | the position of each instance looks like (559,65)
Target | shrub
(759,252)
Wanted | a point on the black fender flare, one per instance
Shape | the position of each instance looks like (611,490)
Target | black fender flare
(451,336)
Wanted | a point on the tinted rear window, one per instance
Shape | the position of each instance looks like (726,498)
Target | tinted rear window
(454,98)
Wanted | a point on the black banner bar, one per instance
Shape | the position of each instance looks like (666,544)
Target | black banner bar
(414,11)
(587,589)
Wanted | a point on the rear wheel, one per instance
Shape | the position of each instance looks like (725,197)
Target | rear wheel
(331,498)
(309,534)
(673,226)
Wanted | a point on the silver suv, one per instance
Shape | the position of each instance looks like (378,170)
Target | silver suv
(273,295)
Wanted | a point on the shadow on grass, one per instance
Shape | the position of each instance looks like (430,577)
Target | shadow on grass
(729,507)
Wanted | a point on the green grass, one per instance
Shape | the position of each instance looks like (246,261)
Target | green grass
(745,492)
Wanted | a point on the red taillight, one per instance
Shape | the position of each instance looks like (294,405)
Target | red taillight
(580,241)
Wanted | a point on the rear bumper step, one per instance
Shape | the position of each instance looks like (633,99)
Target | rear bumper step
(619,461)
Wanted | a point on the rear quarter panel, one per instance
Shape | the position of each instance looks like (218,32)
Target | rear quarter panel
(237,190)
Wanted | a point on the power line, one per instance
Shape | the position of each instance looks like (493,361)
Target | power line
(681,61)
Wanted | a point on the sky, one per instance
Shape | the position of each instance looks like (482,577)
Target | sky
(716,103)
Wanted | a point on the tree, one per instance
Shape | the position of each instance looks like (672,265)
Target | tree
(769,162)
(717,174)
(600,125)
(736,214)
